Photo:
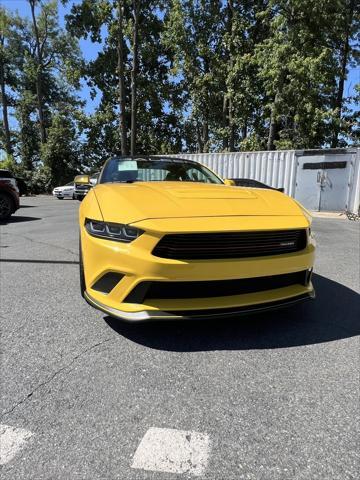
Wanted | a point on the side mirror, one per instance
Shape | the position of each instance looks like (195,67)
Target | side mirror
(229,182)
(82,179)
(281,189)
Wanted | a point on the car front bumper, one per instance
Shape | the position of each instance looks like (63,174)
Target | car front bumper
(63,194)
(135,262)
(82,190)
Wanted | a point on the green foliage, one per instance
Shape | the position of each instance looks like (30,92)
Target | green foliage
(8,163)
(159,97)
(213,75)
(60,67)
(60,155)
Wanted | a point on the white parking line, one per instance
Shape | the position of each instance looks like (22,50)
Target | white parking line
(11,441)
(173,451)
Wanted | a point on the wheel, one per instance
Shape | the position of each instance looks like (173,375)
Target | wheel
(79,197)
(81,272)
(60,198)
(6,206)
(73,196)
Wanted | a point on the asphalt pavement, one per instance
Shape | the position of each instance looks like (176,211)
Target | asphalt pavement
(83,396)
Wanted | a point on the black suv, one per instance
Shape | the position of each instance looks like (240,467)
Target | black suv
(9,195)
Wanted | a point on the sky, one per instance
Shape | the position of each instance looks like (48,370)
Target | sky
(90,50)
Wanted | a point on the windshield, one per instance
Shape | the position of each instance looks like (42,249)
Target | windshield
(138,169)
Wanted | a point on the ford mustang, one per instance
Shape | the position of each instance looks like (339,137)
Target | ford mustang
(166,238)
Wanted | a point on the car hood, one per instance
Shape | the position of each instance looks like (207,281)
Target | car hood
(129,203)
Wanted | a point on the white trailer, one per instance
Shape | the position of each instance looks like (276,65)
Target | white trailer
(322,180)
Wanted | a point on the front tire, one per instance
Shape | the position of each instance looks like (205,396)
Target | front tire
(79,197)
(6,207)
(60,198)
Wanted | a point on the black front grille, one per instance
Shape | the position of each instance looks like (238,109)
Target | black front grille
(242,310)
(213,288)
(202,246)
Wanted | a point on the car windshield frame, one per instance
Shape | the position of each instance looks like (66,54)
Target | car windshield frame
(109,173)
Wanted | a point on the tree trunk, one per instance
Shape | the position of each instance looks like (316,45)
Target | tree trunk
(344,57)
(244,130)
(121,81)
(275,110)
(199,139)
(225,124)
(273,127)
(7,139)
(231,127)
(40,107)
(205,137)
(39,61)
(134,73)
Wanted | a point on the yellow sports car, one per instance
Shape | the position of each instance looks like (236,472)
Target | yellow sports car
(167,238)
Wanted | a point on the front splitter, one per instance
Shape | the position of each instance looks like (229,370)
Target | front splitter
(146,315)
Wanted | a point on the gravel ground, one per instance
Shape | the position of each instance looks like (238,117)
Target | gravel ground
(273,396)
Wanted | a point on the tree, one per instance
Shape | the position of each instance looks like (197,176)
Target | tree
(4,72)
(302,63)
(61,153)
(40,40)
(10,63)
(172,76)
(245,27)
(49,49)
(39,71)
(194,35)
(344,31)
(139,96)
(121,78)
(134,73)
(28,135)
(294,67)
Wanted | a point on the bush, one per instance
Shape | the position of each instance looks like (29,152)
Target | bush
(37,181)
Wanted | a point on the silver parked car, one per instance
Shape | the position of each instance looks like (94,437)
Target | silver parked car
(66,191)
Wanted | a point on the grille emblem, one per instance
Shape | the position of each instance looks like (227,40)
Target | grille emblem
(286,244)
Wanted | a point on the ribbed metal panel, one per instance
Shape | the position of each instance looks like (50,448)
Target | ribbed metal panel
(277,169)
(280,168)
(354,187)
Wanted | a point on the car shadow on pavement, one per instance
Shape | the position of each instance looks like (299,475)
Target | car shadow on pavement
(333,315)
(18,219)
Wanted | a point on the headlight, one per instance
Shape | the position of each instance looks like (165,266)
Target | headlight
(112,231)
